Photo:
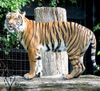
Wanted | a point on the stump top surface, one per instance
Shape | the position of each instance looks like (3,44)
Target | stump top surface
(50,8)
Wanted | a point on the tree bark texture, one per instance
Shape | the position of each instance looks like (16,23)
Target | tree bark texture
(53,63)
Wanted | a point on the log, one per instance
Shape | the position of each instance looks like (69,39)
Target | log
(53,63)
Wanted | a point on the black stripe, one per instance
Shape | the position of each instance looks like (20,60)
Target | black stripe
(71,26)
(29,42)
(52,46)
(25,35)
(64,25)
(58,39)
(82,53)
(69,34)
(31,38)
(57,48)
(74,52)
(51,39)
(53,32)
(48,48)
(38,58)
(74,41)
(21,36)
(93,54)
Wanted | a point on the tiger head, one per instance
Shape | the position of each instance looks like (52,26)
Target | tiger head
(14,22)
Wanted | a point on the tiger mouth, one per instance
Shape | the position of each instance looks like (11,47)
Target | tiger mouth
(11,29)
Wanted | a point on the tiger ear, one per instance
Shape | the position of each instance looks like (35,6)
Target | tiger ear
(24,13)
(17,11)
(8,14)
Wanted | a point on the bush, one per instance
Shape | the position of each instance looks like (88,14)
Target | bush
(96,29)
(8,40)
(13,5)
(55,3)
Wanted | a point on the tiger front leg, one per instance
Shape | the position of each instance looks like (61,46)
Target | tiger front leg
(32,63)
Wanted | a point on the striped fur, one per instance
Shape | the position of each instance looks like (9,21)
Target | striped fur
(53,36)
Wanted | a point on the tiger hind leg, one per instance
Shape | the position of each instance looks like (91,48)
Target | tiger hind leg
(82,64)
(82,67)
(78,69)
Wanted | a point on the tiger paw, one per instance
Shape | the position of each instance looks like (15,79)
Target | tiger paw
(68,77)
(29,76)
(39,74)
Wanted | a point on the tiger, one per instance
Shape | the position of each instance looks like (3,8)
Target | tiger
(56,36)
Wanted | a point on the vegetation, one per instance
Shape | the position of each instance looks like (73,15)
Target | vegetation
(55,3)
(12,5)
(7,40)
(97,29)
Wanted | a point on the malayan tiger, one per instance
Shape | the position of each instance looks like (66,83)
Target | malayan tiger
(52,36)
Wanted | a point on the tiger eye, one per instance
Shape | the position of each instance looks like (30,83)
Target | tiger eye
(8,17)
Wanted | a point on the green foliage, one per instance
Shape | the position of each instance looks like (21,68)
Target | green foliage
(13,5)
(55,3)
(98,53)
(8,40)
(48,3)
(96,29)
(73,1)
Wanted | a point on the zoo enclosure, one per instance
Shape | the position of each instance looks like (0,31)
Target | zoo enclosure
(16,62)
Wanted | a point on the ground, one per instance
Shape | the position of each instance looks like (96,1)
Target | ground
(83,83)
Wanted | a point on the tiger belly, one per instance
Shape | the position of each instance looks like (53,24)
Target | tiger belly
(55,47)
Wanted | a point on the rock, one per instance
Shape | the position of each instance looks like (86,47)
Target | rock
(83,83)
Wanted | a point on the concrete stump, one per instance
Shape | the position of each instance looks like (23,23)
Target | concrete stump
(53,63)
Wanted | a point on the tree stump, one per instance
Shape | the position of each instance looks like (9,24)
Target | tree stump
(53,63)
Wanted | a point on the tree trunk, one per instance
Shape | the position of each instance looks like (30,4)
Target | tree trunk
(53,63)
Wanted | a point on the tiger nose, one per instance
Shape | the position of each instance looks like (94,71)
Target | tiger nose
(11,23)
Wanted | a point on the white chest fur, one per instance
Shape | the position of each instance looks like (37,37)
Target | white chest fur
(22,42)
